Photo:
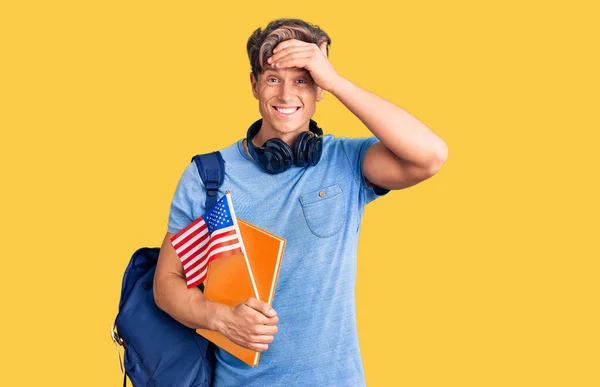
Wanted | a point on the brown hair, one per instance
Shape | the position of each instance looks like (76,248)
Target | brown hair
(262,42)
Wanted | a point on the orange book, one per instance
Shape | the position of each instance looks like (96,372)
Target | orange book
(233,279)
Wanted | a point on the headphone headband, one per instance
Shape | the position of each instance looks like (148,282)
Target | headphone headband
(275,156)
(255,128)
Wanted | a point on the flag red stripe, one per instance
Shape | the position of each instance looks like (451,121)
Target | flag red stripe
(225,254)
(192,245)
(186,228)
(215,238)
(214,247)
(196,247)
(198,281)
(220,255)
(222,244)
(187,238)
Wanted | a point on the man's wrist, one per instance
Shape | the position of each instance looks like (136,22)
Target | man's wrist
(216,315)
(338,85)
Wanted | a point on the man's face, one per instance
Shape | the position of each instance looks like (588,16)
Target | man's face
(286,98)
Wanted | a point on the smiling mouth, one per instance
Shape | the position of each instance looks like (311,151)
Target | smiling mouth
(287,110)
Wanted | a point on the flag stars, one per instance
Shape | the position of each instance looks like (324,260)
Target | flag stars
(219,216)
(215,219)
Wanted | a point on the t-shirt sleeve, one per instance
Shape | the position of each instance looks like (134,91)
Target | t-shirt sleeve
(188,201)
(356,149)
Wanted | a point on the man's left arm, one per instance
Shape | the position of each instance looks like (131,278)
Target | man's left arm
(408,151)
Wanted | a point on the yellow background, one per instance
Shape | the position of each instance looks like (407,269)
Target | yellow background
(484,275)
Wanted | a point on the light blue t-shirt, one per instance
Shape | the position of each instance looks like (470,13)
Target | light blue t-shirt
(318,211)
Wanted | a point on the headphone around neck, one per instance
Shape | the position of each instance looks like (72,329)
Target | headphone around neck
(275,156)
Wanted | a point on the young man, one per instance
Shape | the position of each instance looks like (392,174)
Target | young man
(315,201)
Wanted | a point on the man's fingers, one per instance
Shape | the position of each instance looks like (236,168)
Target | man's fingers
(267,330)
(289,43)
(262,339)
(272,321)
(258,324)
(299,62)
(261,306)
(291,50)
(259,347)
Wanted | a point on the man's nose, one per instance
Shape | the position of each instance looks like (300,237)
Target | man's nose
(286,91)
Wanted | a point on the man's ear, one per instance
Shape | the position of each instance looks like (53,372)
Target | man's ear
(320,94)
(254,84)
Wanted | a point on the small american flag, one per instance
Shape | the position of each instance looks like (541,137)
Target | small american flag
(215,234)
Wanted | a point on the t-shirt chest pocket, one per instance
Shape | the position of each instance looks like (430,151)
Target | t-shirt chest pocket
(324,210)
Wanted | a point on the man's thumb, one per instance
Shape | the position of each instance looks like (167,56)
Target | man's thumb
(261,306)
(323,47)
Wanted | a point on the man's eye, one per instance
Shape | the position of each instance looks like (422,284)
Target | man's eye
(271,80)
(301,81)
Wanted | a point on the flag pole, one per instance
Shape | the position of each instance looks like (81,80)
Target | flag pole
(237,230)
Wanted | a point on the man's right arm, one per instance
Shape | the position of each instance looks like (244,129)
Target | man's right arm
(250,324)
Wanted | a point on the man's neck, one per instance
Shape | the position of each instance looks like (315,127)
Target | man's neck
(266,132)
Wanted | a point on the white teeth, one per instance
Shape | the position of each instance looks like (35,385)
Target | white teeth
(286,111)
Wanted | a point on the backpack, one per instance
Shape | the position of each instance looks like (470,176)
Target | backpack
(160,351)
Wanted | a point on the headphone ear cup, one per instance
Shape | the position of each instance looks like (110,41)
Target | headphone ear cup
(280,156)
(300,149)
(271,161)
(315,149)
(282,147)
